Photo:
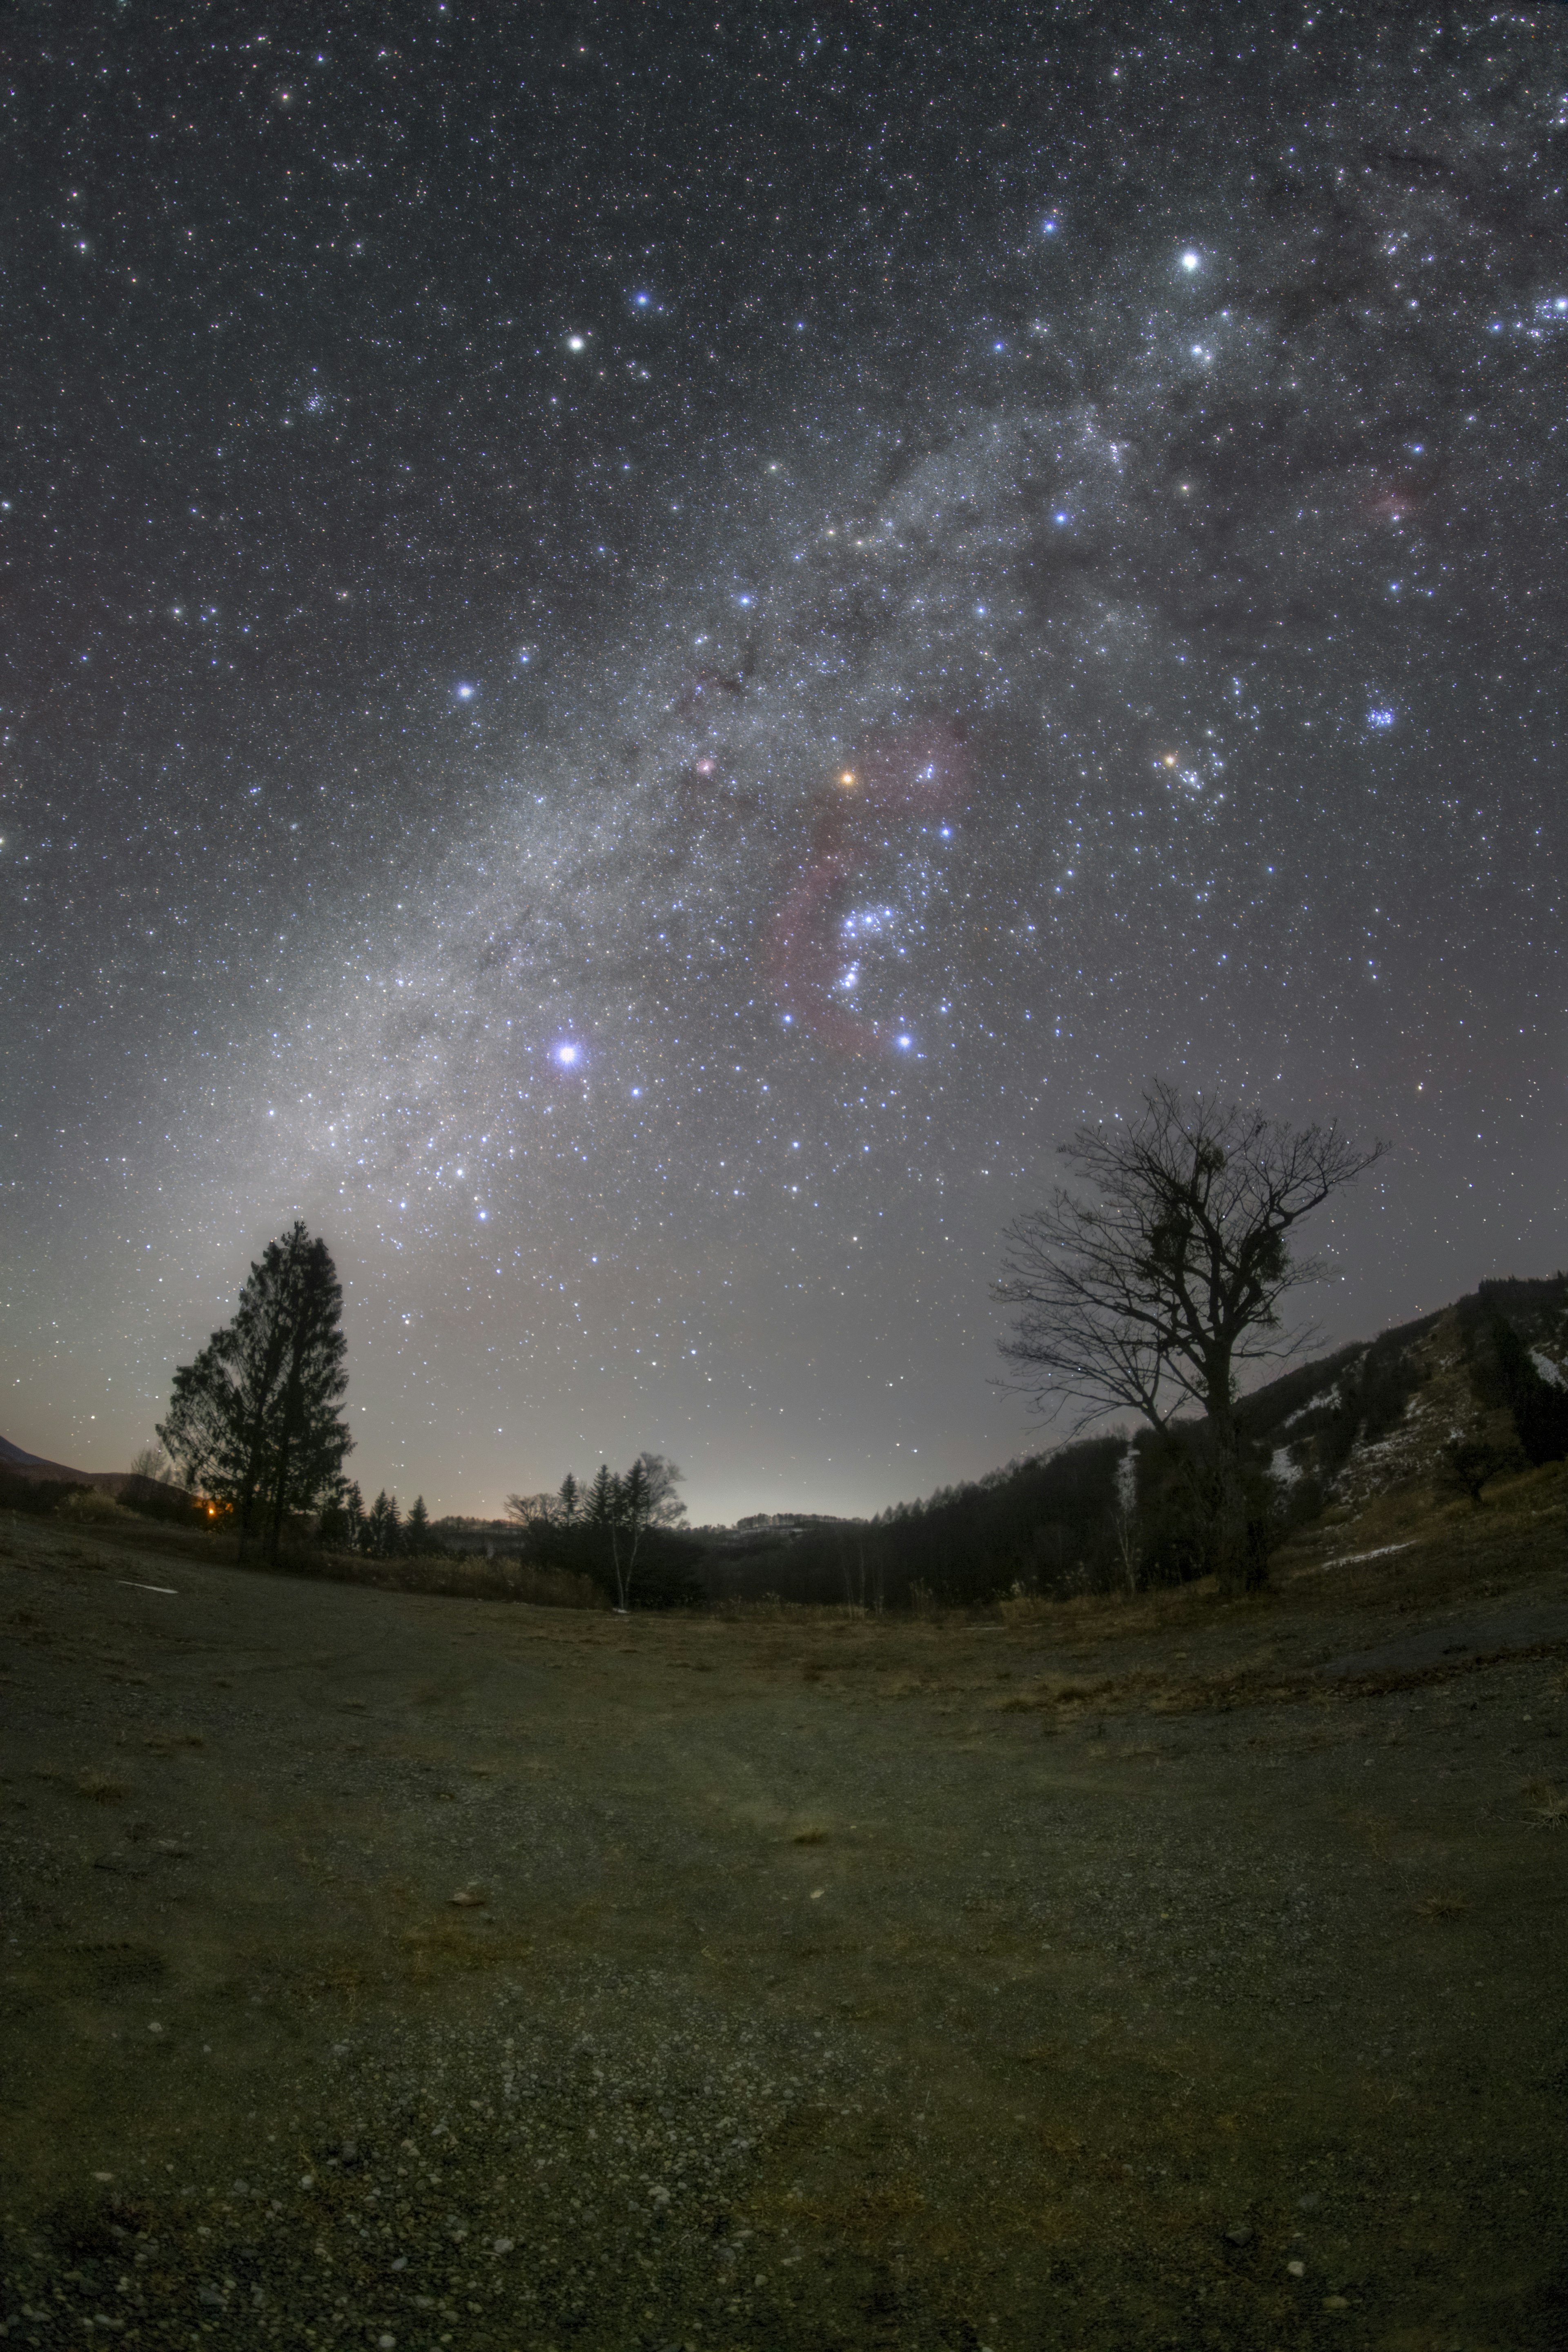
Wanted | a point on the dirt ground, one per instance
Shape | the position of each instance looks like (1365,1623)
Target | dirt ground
(381,1970)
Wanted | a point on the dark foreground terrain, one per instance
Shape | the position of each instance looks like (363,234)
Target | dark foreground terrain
(381,1970)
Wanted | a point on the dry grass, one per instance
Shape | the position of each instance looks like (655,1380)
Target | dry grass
(1549,1805)
(469,1578)
(101,1788)
(1442,1906)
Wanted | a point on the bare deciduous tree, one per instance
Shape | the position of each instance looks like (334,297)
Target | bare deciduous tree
(1155,1293)
(531,1510)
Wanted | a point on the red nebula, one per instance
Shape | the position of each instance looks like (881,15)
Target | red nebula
(1396,502)
(915,772)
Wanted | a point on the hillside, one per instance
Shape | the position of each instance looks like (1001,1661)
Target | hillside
(1360,1432)
(34,1470)
(1363,1425)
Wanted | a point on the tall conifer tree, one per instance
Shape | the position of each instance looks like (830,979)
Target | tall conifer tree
(253,1421)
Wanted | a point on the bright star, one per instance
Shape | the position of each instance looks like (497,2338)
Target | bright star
(568,1055)
(576,342)
(1191,260)
(466,694)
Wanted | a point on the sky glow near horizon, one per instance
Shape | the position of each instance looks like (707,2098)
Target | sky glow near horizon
(634,709)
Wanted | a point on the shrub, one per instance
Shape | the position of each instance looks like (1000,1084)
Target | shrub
(1469,1464)
(89,1503)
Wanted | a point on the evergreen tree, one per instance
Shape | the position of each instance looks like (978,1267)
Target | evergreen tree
(311,1439)
(1539,1407)
(416,1528)
(337,1528)
(602,1506)
(384,1527)
(567,1502)
(253,1421)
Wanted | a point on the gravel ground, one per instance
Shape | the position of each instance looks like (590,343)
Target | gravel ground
(393,1971)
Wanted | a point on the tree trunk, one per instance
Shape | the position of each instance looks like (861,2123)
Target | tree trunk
(1230,1528)
(1240,1547)
(247,1499)
(279,1492)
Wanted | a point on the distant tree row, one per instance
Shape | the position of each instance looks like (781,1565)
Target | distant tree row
(381,1532)
(617,1529)
(1147,1291)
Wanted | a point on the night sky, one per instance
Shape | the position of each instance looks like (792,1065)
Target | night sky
(641,652)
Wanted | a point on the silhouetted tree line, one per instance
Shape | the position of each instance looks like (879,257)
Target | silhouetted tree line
(379,1533)
(1501,1329)
(37,1497)
(1110,1513)
(1039,1525)
(621,1530)
(1192,1204)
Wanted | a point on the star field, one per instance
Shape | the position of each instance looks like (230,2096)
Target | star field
(640,659)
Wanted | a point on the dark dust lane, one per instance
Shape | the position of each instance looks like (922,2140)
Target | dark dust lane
(396,1972)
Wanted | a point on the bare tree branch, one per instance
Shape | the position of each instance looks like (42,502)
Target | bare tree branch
(1155,1292)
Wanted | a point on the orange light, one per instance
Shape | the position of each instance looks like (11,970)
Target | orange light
(1169,759)
(847,780)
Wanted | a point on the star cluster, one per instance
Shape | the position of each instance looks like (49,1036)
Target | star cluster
(640,660)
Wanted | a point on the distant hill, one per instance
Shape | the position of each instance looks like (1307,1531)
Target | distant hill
(1332,1432)
(16,1463)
